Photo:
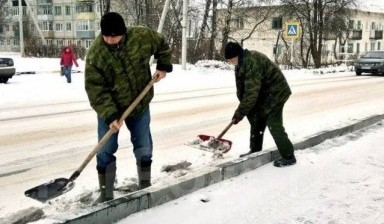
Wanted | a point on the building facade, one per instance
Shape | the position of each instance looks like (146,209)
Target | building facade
(52,22)
(365,33)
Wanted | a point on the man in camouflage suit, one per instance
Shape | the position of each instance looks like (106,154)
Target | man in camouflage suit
(117,70)
(262,91)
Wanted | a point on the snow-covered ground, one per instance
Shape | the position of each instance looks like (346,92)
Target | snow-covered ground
(339,181)
(47,93)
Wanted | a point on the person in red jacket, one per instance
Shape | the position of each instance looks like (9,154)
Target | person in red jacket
(68,58)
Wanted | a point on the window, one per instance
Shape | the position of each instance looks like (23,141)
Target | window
(277,50)
(357,47)
(378,45)
(84,25)
(68,26)
(372,46)
(68,10)
(350,48)
(238,23)
(350,24)
(15,11)
(57,10)
(359,25)
(46,26)
(44,10)
(58,27)
(373,26)
(277,23)
(366,46)
(84,8)
(88,43)
(342,49)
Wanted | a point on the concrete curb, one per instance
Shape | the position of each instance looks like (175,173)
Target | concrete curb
(153,196)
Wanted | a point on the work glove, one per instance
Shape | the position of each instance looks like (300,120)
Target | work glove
(237,118)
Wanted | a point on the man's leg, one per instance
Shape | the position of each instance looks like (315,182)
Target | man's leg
(258,125)
(106,162)
(284,145)
(142,146)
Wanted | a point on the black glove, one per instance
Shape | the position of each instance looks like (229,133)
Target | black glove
(237,118)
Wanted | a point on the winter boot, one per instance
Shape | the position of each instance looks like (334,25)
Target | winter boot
(247,153)
(106,183)
(285,162)
(144,174)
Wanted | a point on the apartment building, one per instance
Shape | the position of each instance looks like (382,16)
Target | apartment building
(55,22)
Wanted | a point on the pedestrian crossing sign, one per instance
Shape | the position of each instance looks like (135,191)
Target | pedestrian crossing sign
(292,30)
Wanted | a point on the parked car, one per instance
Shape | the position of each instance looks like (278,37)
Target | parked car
(7,69)
(372,62)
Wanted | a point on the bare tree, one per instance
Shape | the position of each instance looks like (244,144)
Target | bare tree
(314,15)
(105,6)
(4,11)
(204,25)
(212,48)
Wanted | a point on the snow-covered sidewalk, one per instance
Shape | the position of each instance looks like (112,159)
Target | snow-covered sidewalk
(338,181)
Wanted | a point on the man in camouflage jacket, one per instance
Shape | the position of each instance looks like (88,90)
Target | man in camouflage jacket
(262,91)
(117,70)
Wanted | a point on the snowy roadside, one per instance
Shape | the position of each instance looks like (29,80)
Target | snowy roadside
(338,181)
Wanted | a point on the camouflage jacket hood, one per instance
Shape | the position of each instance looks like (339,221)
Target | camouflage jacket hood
(114,77)
(261,86)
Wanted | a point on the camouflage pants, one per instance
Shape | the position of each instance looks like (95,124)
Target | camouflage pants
(274,121)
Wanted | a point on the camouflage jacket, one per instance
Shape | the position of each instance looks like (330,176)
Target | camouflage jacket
(115,76)
(261,86)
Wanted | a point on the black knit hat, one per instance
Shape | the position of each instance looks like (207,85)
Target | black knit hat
(232,49)
(112,24)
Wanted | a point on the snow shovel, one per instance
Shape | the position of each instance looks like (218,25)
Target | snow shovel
(59,186)
(213,144)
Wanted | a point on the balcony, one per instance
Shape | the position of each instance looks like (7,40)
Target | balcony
(355,34)
(376,35)
(329,36)
(86,34)
(48,33)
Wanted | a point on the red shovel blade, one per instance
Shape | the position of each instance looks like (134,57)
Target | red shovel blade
(220,144)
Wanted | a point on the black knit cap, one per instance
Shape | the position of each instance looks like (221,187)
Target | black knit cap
(232,49)
(112,24)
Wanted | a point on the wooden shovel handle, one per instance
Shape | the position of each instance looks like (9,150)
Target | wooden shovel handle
(110,132)
(225,130)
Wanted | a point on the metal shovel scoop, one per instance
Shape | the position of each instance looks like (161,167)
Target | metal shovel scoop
(59,186)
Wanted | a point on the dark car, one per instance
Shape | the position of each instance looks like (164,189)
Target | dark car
(7,69)
(372,62)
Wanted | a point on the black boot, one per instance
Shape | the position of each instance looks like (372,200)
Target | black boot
(285,162)
(106,183)
(144,173)
(247,153)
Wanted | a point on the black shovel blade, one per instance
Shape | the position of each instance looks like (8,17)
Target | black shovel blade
(49,190)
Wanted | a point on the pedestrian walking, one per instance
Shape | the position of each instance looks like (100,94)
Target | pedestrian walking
(68,59)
